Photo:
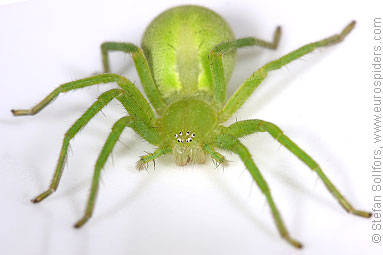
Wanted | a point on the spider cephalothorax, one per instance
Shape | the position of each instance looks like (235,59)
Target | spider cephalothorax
(187,124)
(186,59)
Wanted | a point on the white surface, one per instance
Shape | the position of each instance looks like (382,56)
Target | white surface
(322,102)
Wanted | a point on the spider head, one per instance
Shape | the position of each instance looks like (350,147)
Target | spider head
(187,123)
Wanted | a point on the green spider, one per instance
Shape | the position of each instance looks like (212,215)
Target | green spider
(186,59)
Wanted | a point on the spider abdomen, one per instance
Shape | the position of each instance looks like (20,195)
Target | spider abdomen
(177,43)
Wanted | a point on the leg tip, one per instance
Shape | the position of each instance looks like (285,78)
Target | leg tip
(21,112)
(81,222)
(362,213)
(349,27)
(37,199)
(77,225)
(224,163)
(42,196)
(141,165)
(295,243)
(277,36)
(14,112)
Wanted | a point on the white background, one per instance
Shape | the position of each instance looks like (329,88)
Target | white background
(322,101)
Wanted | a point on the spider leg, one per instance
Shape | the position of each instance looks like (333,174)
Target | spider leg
(247,127)
(141,127)
(113,137)
(140,104)
(229,142)
(103,100)
(219,158)
(152,156)
(216,56)
(246,89)
(142,68)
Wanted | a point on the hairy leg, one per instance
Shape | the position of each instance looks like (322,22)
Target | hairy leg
(147,132)
(216,55)
(144,160)
(142,67)
(228,142)
(139,107)
(217,157)
(243,128)
(103,100)
(128,121)
(246,89)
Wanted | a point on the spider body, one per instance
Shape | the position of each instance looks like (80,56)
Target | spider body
(177,45)
(187,57)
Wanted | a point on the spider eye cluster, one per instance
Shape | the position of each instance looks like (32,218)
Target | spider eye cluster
(187,138)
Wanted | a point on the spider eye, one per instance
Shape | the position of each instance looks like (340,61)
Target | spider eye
(187,133)
(193,135)
(180,133)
